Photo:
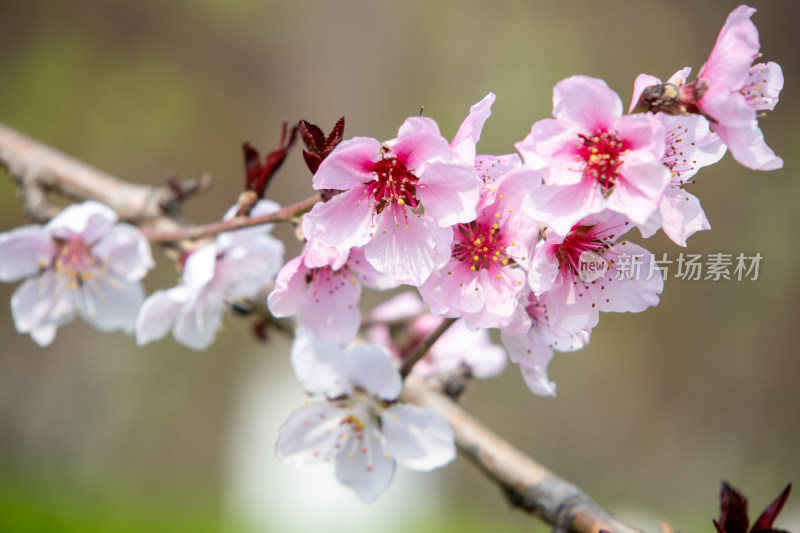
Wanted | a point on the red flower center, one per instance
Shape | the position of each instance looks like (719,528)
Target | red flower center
(480,245)
(581,239)
(601,154)
(394,183)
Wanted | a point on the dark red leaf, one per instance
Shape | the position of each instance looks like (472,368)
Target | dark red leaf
(312,161)
(733,510)
(767,518)
(252,166)
(335,136)
(717,525)
(275,159)
(312,136)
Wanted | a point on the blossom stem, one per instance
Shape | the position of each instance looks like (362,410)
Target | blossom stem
(527,484)
(421,348)
(194,232)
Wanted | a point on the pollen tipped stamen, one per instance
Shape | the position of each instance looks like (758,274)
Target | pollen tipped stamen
(602,154)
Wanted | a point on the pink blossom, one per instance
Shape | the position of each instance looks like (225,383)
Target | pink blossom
(238,265)
(530,341)
(484,277)
(456,347)
(83,261)
(399,200)
(593,158)
(690,146)
(326,297)
(359,427)
(562,275)
(731,90)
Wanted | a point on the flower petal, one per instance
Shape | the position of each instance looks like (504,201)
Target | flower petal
(158,314)
(418,438)
(320,368)
(23,252)
(88,221)
(367,473)
(371,368)
(125,251)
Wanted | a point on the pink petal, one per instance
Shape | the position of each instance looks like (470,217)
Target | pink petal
(24,251)
(642,82)
(468,135)
(586,101)
(736,47)
(562,206)
(330,308)
(418,142)
(349,165)
(449,192)
(409,254)
(290,289)
(344,221)
(533,366)
(417,438)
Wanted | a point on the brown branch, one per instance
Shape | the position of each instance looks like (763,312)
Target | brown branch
(39,169)
(421,348)
(526,483)
(193,232)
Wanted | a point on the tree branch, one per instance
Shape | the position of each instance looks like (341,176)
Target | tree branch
(40,169)
(526,483)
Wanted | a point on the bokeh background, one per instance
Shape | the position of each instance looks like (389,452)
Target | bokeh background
(97,435)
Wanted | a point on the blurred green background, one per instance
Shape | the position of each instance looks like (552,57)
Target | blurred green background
(97,435)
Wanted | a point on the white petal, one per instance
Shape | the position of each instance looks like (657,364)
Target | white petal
(158,314)
(40,303)
(125,251)
(23,252)
(367,472)
(320,368)
(112,304)
(89,221)
(371,368)
(418,438)
(311,434)
(199,268)
(199,320)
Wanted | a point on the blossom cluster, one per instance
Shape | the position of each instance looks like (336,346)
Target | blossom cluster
(496,241)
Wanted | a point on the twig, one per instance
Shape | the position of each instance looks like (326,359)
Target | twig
(526,483)
(421,348)
(194,232)
(39,169)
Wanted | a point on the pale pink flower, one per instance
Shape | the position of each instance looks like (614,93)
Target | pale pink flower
(484,277)
(239,265)
(730,91)
(458,346)
(592,158)
(399,200)
(690,146)
(587,271)
(325,297)
(83,261)
(360,427)
(530,341)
